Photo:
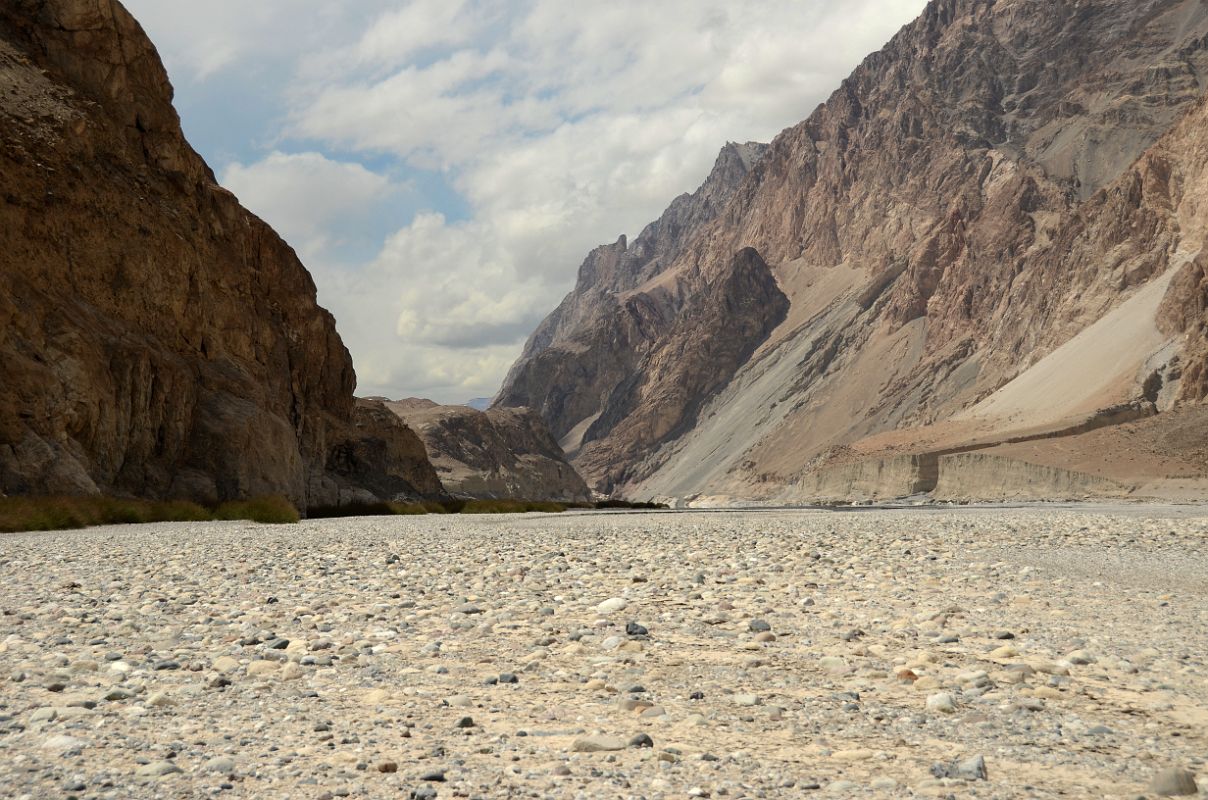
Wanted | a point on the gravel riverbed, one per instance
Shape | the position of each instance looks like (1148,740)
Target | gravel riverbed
(1036,653)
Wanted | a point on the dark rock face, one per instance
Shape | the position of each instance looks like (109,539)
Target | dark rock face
(156,339)
(986,187)
(502,453)
(618,312)
(696,358)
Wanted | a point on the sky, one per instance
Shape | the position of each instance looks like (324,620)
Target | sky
(443,167)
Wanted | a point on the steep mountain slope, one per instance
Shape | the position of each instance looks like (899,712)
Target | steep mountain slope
(156,339)
(595,340)
(969,201)
(500,453)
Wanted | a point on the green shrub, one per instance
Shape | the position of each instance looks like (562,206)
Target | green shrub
(42,514)
(274,510)
(511,507)
(545,507)
(408,509)
(65,513)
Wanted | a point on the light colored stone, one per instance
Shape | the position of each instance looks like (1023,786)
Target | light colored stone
(598,744)
(941,703)
(612,606)
(224,665)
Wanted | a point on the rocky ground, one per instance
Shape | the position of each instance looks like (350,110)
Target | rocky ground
(994,654)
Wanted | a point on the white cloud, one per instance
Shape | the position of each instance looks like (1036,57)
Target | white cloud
(419,26)
(561,126)
(202,40)
(315,203)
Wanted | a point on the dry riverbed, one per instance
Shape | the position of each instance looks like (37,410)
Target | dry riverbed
(996,654)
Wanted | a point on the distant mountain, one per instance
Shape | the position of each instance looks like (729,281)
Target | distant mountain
(977,271)
(156,338)
(502,453)
(479,403)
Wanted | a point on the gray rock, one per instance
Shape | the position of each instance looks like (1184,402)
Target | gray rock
(598,744)
(158,769)
(1174,782)
(222,765)
(969,769)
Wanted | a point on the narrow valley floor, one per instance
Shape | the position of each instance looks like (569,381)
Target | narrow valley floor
(996,653)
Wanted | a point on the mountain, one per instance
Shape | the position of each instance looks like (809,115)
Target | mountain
(502,453)
(156,338)
(479,403)
(974,271)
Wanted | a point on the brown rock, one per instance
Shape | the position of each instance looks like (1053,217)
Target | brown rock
(156,338)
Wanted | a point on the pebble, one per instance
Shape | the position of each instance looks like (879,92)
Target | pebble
(597,744)
(968,769)
(941,703)
(223,765)
(158,769)
(612,605)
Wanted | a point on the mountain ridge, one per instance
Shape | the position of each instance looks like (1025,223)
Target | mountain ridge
(919,222)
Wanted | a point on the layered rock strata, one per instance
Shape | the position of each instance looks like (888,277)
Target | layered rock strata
(156,338)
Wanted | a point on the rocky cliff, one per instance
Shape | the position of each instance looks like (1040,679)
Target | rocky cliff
(992,226)
(501,453)
(156,339)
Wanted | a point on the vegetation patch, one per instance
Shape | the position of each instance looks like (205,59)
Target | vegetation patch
(512,507)
(66,513)
(272,510)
